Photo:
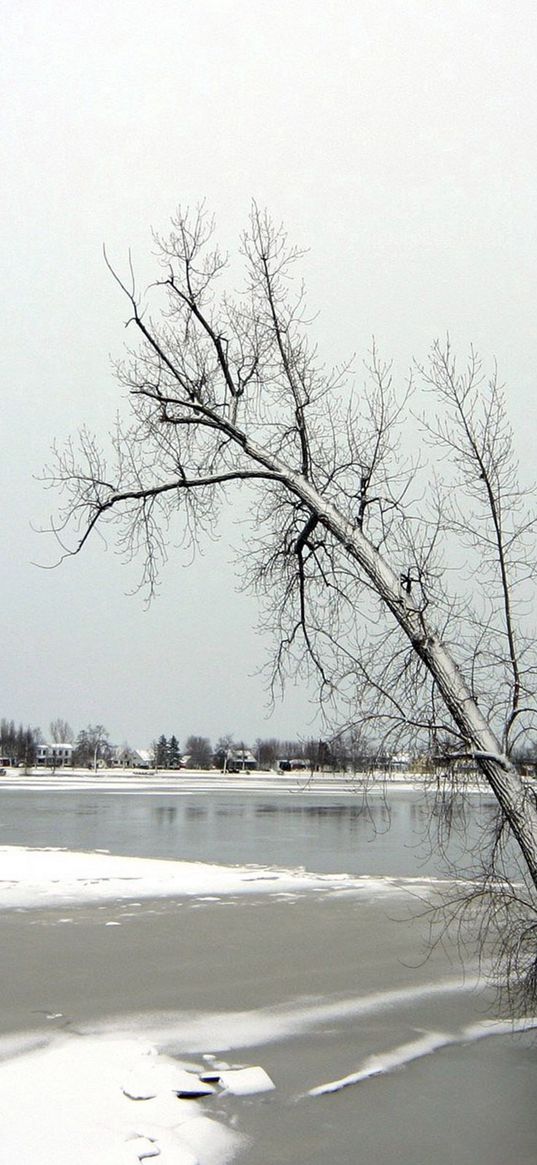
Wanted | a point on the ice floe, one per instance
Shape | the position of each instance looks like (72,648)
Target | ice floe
(155,1074)
(32,877)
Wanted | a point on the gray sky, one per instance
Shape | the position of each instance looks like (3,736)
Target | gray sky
(396,140)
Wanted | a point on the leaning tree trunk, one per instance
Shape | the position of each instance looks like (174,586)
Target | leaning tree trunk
(517,801)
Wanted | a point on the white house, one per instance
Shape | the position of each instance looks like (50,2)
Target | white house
(54,756)
(240,760)
(132,758)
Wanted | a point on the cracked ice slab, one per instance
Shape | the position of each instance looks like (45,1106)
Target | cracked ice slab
(246,1081)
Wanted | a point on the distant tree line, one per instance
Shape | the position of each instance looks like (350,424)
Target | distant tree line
(350,751)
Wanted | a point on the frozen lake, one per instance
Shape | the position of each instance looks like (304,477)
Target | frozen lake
(313,985)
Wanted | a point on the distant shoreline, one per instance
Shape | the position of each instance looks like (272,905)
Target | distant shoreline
(211,780)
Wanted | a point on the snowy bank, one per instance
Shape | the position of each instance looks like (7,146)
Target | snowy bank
(72,1101)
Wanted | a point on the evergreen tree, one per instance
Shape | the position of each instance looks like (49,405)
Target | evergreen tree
(161,753)
(174,756)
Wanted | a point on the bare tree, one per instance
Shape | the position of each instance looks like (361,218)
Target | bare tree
(221,752)
(267,752)
(199,752)
(92,747)
(61,732)
(401,581)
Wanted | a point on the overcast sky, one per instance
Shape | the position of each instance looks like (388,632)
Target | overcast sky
(395,138)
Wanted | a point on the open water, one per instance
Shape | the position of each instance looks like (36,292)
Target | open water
(325,832)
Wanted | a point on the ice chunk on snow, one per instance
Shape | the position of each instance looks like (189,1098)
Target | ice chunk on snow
(243,1081)
(139,1149)
(153,1076)
(189,1085)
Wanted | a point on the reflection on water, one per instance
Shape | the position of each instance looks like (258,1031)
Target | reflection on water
(345,812)
(165,814)
(328,833)
(230,810)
